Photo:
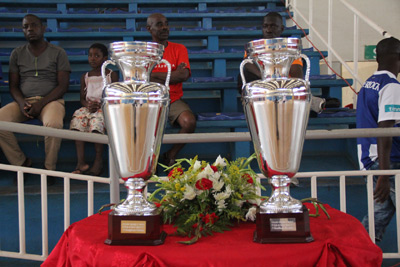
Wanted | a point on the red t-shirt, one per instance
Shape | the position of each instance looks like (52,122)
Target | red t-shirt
(175,54)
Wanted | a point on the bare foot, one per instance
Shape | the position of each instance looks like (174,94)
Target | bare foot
(96,169)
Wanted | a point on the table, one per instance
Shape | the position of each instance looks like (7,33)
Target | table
(341,241)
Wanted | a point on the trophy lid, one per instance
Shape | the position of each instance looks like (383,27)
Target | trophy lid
(289,46)
(136,49)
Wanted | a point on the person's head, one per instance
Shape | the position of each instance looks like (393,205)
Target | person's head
(272,26)
(33,28)
(157,26)
(98,53)
(388,55)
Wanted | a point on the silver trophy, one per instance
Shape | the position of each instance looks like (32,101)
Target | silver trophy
(135,113)
(277,109)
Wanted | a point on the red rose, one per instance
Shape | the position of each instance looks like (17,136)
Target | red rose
(248,178)
(157,204)
(204,184)
(210,218)
(214,168)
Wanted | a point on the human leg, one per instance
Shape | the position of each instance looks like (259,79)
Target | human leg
(79,122)
(383,212)
(180,114)
(8,141)
(81,165)
(52,115)
(98,160)
(96,125)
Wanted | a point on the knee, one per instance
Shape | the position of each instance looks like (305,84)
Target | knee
(54,124)
(187,121)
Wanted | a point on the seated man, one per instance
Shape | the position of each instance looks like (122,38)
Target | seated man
(177,55)
(272,27)
(38,79)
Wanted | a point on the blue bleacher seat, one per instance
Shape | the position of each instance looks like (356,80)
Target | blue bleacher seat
(212,79)
(337,113)
(75,30)
(323,77)
(206,51)
(220,116)
(239,28)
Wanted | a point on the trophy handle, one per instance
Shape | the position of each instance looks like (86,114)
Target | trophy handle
(307,78)
(244,62)
(103,70)
(169,72)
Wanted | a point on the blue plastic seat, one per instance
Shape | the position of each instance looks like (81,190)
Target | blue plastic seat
(212,79)
(323,77)
(220,116)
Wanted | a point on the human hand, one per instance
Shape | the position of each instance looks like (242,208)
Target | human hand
(382,189)
(181,66)
(34,109)
(25,107)
(93,106)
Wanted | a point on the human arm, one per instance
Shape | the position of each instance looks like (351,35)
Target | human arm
(114,77)
(181,74)
(16,93)
(382,188)
(296,71)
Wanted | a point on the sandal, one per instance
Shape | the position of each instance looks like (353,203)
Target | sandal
(78,171)
(92,173)
(81,171)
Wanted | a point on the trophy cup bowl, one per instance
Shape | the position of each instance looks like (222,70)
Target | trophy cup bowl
(277,110)
(135,113)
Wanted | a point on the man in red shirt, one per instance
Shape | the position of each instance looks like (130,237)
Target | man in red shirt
(180,113)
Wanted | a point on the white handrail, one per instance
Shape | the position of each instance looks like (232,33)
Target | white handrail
(372,24)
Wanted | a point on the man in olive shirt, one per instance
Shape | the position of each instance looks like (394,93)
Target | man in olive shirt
(38,79)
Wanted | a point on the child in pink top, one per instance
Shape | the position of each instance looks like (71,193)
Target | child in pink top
(89,118)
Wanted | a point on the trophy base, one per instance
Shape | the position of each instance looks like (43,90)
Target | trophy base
(134,230)
(283,227)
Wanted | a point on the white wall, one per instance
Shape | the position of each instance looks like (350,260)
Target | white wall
(384,13)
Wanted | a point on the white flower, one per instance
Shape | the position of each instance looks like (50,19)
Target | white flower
(239,203)
(256,201)
(217,185)
(196,165)
(221,196)
(251,214)
(228,190)
(189,193)
(207,171)
(221,204)
(220,162)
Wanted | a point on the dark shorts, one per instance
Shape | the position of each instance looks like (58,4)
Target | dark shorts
(176,109)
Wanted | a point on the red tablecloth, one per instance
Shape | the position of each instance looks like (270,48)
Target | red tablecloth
(341,241)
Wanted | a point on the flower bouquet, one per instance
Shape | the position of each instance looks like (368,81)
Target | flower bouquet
(207,198)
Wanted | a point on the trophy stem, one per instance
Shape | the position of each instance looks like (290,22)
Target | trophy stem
(280,200)
(136,203)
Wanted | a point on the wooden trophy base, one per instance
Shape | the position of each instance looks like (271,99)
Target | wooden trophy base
(283,227)
(134,230)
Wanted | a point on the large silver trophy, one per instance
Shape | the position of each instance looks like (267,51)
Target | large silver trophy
(135,112)
(277,109)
